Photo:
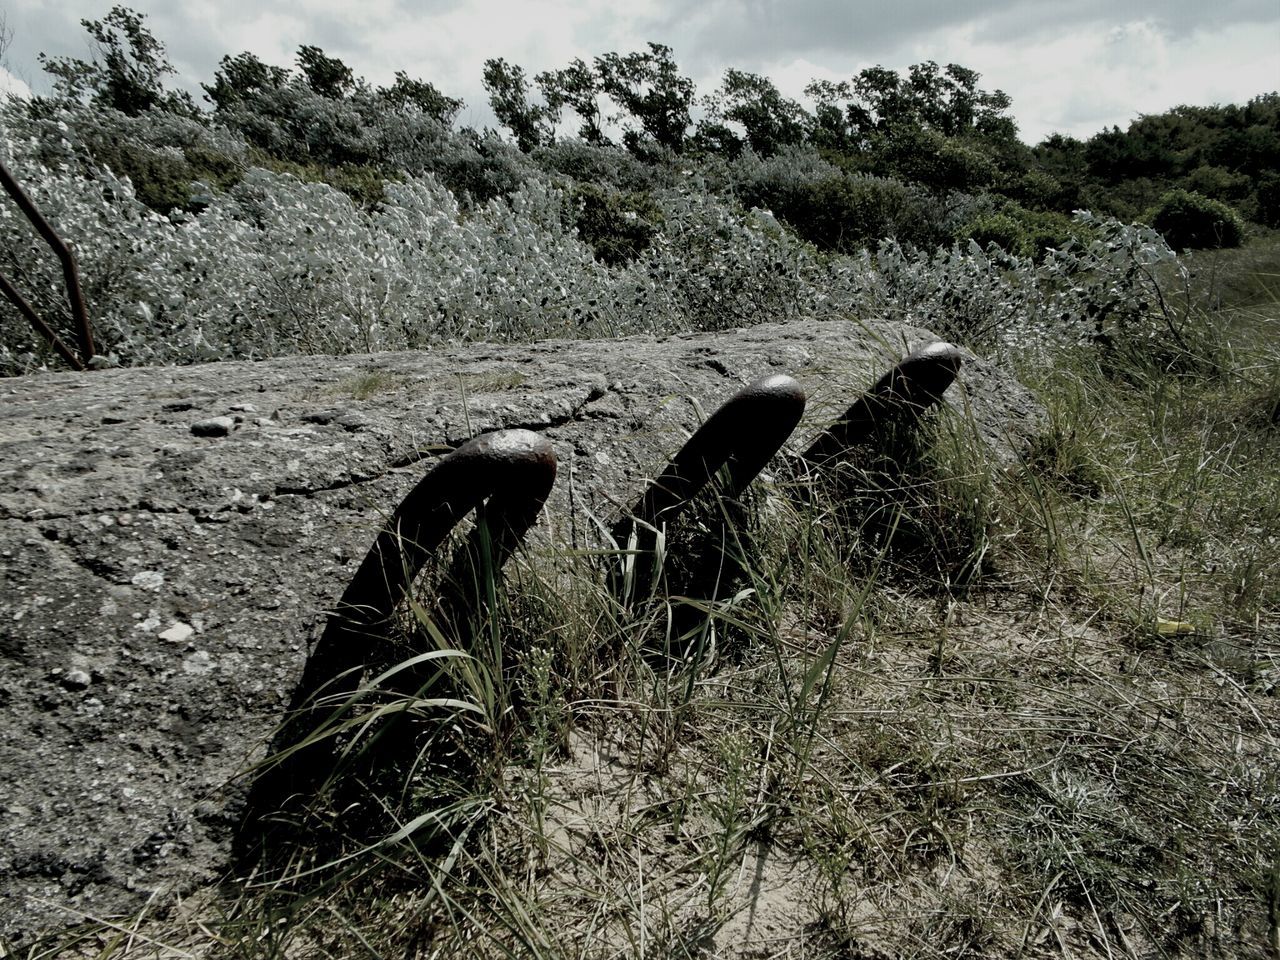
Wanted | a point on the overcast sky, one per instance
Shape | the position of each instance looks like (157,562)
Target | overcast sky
(1072,67)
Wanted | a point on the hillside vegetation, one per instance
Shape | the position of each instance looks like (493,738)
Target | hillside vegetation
(303,209)
(957,706)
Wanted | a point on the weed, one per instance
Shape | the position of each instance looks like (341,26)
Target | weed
(369,384)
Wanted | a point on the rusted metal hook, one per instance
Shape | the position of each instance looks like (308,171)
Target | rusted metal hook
(741,436)
(513,470)
(509,473)
(897,399)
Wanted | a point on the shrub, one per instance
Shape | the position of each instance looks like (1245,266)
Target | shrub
(363,184)
(1037,190)
(829,208)
(1192,221)
(998,228)
(161,178)
(840,213)
(273,265)
(606,166)
(215,167)
(618,226)
(1022,232)
(161,154)
(1218,183)
(933,160)
(1267,200)
(479,167)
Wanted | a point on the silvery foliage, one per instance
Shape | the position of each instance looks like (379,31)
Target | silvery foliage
(1001,304)
(67,135)
(276,266)
(1119,285)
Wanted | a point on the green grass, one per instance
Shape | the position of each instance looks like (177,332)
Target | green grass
(938,716)
(366,385)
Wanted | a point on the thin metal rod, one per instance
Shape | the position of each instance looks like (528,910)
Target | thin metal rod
(70,272)
(40,326)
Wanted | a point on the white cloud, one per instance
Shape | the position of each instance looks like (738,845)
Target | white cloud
(9,84)
(1069,67)
(1087,78)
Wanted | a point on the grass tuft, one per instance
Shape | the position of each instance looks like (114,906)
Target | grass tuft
(942,705)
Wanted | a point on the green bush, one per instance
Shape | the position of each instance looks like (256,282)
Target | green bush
(998,228)
(1192,221)
(1267,200)
(161,178)
(1022,232)
(214,167)
(363,184)
(932,160)
(841,213)
(1037,190)
(618,226)
(838,211)
(1218,183)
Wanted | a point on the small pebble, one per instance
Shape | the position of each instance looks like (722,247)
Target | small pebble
(213,427)
(178,633)
(75,680)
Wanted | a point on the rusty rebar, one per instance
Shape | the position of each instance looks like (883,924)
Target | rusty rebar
(509,474)
(70,273)
(40,326)
(741,437)
(897,399)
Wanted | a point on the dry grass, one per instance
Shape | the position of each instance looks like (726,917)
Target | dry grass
(1055,738)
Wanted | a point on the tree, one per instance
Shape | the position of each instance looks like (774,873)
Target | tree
(327,76)
(577,87)
(424,96)
(240,78)
(943,100)
(648,86)
(926,91)
(532,125)
(127,72)
(6,38)
(770,120)
(881,101)
(830,129)
(1060,155)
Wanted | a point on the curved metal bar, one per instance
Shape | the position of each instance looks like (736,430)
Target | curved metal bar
(70,273)
(509,474)
(742,436)
(512,469)
(897,398)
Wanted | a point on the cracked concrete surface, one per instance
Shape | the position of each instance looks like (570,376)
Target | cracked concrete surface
(160,588)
